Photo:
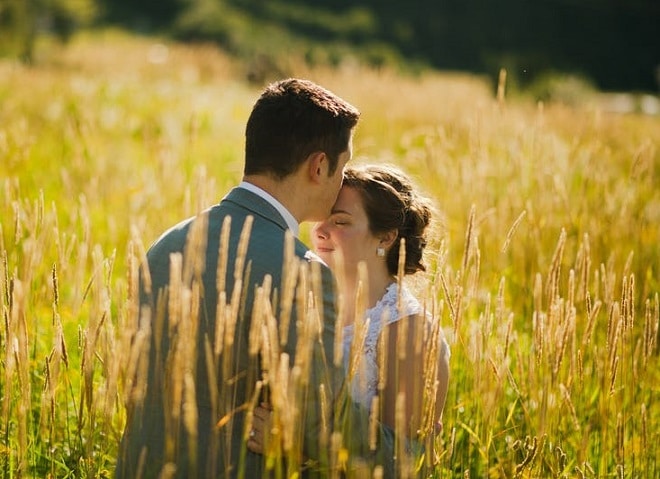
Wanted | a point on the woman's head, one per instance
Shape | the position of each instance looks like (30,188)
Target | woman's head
(377,207)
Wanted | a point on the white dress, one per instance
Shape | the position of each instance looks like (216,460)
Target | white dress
(364,383)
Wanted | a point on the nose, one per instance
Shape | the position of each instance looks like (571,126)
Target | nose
(320,231)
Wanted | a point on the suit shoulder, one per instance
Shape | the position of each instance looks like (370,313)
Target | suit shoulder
(172,239)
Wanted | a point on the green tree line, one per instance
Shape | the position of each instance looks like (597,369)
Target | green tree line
(612,43)
(21,21)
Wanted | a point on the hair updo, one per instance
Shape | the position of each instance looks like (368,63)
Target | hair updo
(391,203)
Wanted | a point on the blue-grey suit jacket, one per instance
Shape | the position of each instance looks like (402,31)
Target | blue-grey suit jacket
(156,436)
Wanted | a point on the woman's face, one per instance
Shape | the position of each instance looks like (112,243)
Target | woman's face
(345,230)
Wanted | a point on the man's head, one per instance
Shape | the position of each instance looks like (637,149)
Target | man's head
(293,119)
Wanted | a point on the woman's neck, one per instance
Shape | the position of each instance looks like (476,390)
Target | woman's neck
(377,286)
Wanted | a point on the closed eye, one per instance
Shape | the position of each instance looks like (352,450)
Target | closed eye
(340,220)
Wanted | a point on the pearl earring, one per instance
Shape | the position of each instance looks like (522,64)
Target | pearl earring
(380,252)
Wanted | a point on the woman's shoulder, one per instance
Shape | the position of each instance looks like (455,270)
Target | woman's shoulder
(397,302)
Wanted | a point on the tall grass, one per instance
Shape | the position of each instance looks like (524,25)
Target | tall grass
(544,268)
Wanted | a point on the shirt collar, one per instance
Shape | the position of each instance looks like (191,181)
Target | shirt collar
(291,221)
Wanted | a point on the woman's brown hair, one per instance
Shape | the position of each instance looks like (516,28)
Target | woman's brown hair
(392,203)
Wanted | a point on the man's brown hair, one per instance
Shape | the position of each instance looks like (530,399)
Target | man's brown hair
(292,119)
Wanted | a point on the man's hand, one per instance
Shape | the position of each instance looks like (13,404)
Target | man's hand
(261,425)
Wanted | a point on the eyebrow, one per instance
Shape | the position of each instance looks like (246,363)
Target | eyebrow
(336,212)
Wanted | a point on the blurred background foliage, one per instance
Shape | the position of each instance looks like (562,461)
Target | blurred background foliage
(605,44)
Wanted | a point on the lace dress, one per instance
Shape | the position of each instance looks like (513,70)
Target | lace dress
(364,383)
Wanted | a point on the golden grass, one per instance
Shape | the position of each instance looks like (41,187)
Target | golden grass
(544,272)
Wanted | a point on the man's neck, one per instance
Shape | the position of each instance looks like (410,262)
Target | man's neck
(281,190)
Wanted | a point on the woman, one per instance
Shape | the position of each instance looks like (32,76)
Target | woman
(377,211)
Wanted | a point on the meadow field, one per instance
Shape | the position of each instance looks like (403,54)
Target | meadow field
(544,264)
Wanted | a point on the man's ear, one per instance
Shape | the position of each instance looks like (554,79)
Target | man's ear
(387,239)
(317,166)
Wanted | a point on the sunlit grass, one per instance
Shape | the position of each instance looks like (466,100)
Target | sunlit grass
(546,260)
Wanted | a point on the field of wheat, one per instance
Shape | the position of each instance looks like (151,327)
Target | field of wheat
(545,258)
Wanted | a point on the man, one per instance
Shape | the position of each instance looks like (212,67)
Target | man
(205,303)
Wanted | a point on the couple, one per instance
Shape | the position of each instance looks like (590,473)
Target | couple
(189,413)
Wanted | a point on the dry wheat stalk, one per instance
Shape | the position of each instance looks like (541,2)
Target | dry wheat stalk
(308,333)
(400,420)
(467,249)
(583,267)
(383,360)
(223,255)
(651,324)
(190,418)
(512,231)
(567,399)
(290,273)
(20,352)
(448,298)
(614,328)
(373,422)
(580,368)
(552,282)
(591,323)
(325,417)
(432,338)
(239,265)
(257,323)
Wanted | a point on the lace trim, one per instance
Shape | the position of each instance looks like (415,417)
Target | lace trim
(363,370)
